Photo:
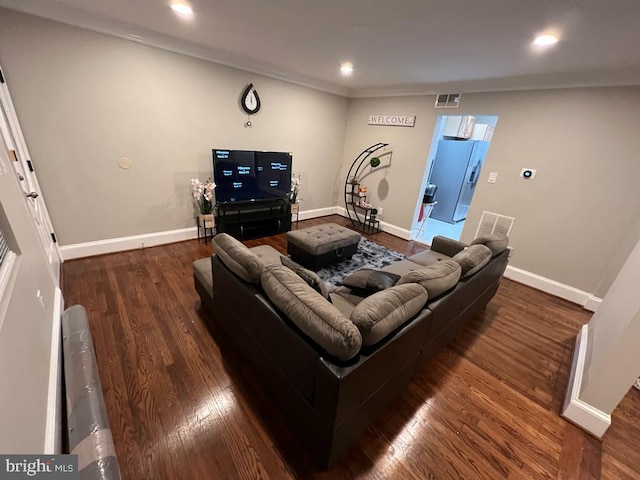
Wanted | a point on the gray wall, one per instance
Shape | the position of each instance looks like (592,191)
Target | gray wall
(395,184)
(86,99)
(575,219)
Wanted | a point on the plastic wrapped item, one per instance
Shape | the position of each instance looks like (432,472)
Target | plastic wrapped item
(87,421)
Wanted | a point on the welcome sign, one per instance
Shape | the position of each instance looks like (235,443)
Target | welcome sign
(393,120)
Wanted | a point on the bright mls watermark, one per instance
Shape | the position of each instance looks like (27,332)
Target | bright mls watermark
(51,467)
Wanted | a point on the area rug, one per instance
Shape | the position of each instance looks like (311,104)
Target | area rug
(369,255)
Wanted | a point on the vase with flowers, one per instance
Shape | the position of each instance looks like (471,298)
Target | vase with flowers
(296,182)
(203,198)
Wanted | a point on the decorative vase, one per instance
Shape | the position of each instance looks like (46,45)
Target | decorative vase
(205,220)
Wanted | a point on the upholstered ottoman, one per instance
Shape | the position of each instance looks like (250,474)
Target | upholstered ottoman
(315,247)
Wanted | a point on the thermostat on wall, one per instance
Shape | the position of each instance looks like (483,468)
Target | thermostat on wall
(528,173)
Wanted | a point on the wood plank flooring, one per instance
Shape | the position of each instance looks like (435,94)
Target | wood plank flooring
(485,408)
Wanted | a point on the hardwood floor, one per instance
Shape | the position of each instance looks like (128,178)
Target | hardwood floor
(486,407)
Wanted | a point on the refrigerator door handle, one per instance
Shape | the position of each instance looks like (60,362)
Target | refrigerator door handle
(474,173)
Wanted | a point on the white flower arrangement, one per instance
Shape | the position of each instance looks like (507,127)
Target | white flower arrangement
(296,182)
(203,195)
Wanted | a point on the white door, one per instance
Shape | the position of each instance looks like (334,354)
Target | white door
(30,307)
(21,162)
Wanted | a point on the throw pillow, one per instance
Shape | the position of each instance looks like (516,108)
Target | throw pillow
(370,281)
(308,276)
(383,312)
(238,258)
(472,259)
(496,242)
(436,278)
(313,315)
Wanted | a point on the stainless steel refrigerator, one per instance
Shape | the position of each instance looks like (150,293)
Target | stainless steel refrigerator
(455,172)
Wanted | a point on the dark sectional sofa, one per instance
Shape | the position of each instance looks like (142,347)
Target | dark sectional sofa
(328,401)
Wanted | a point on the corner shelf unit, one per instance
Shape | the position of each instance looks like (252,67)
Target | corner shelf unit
(245,220)
(362,218)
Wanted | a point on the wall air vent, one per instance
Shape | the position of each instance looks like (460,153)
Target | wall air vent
(447,100)
(491,223)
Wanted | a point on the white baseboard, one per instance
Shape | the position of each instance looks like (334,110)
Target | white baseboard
(318,212)
(394,230)
(79,250)
(53,433)
(111,245)
(592,303)
(384,226)
(574,409)
(586,300)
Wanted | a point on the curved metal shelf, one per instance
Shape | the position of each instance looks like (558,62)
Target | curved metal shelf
(349,204)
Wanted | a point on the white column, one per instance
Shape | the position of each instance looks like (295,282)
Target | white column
(606,360)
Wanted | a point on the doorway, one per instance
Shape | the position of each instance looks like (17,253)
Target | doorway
(458,151)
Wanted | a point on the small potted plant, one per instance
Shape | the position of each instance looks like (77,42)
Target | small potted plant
(203,198)
(354,182)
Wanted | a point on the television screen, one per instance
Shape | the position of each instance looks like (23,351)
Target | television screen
(244,175)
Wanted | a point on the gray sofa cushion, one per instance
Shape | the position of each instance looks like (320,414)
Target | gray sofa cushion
(370,280)
(447,246)
(308,276)
(472,259)
(342,304)
(352,296)
(202,271)
(436,278)
(401,267)
(496,242)
(311,313)
(267,254)
(238,258)
(428,257)
(381,313)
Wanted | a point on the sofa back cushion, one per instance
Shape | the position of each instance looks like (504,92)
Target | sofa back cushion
(381,313)
(238,258)
(437,278)
(496,242)
(310,312)
(308,276)
(472,259)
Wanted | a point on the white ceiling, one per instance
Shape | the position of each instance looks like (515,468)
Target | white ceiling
(396,46)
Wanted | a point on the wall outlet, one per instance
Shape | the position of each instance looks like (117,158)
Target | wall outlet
(380,210)
(493,176)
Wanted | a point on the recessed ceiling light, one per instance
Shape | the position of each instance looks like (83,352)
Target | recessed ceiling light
(545,40)
(181,8)
(346,69)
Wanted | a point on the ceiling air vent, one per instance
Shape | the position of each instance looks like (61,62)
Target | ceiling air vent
(448,100)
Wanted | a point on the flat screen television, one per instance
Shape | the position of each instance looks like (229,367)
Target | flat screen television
(247,175)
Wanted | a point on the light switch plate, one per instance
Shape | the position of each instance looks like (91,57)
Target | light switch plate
(493,176)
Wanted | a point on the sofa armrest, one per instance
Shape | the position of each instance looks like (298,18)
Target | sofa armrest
(447,246)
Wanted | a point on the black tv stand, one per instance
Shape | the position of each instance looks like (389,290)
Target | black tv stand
(245,220)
